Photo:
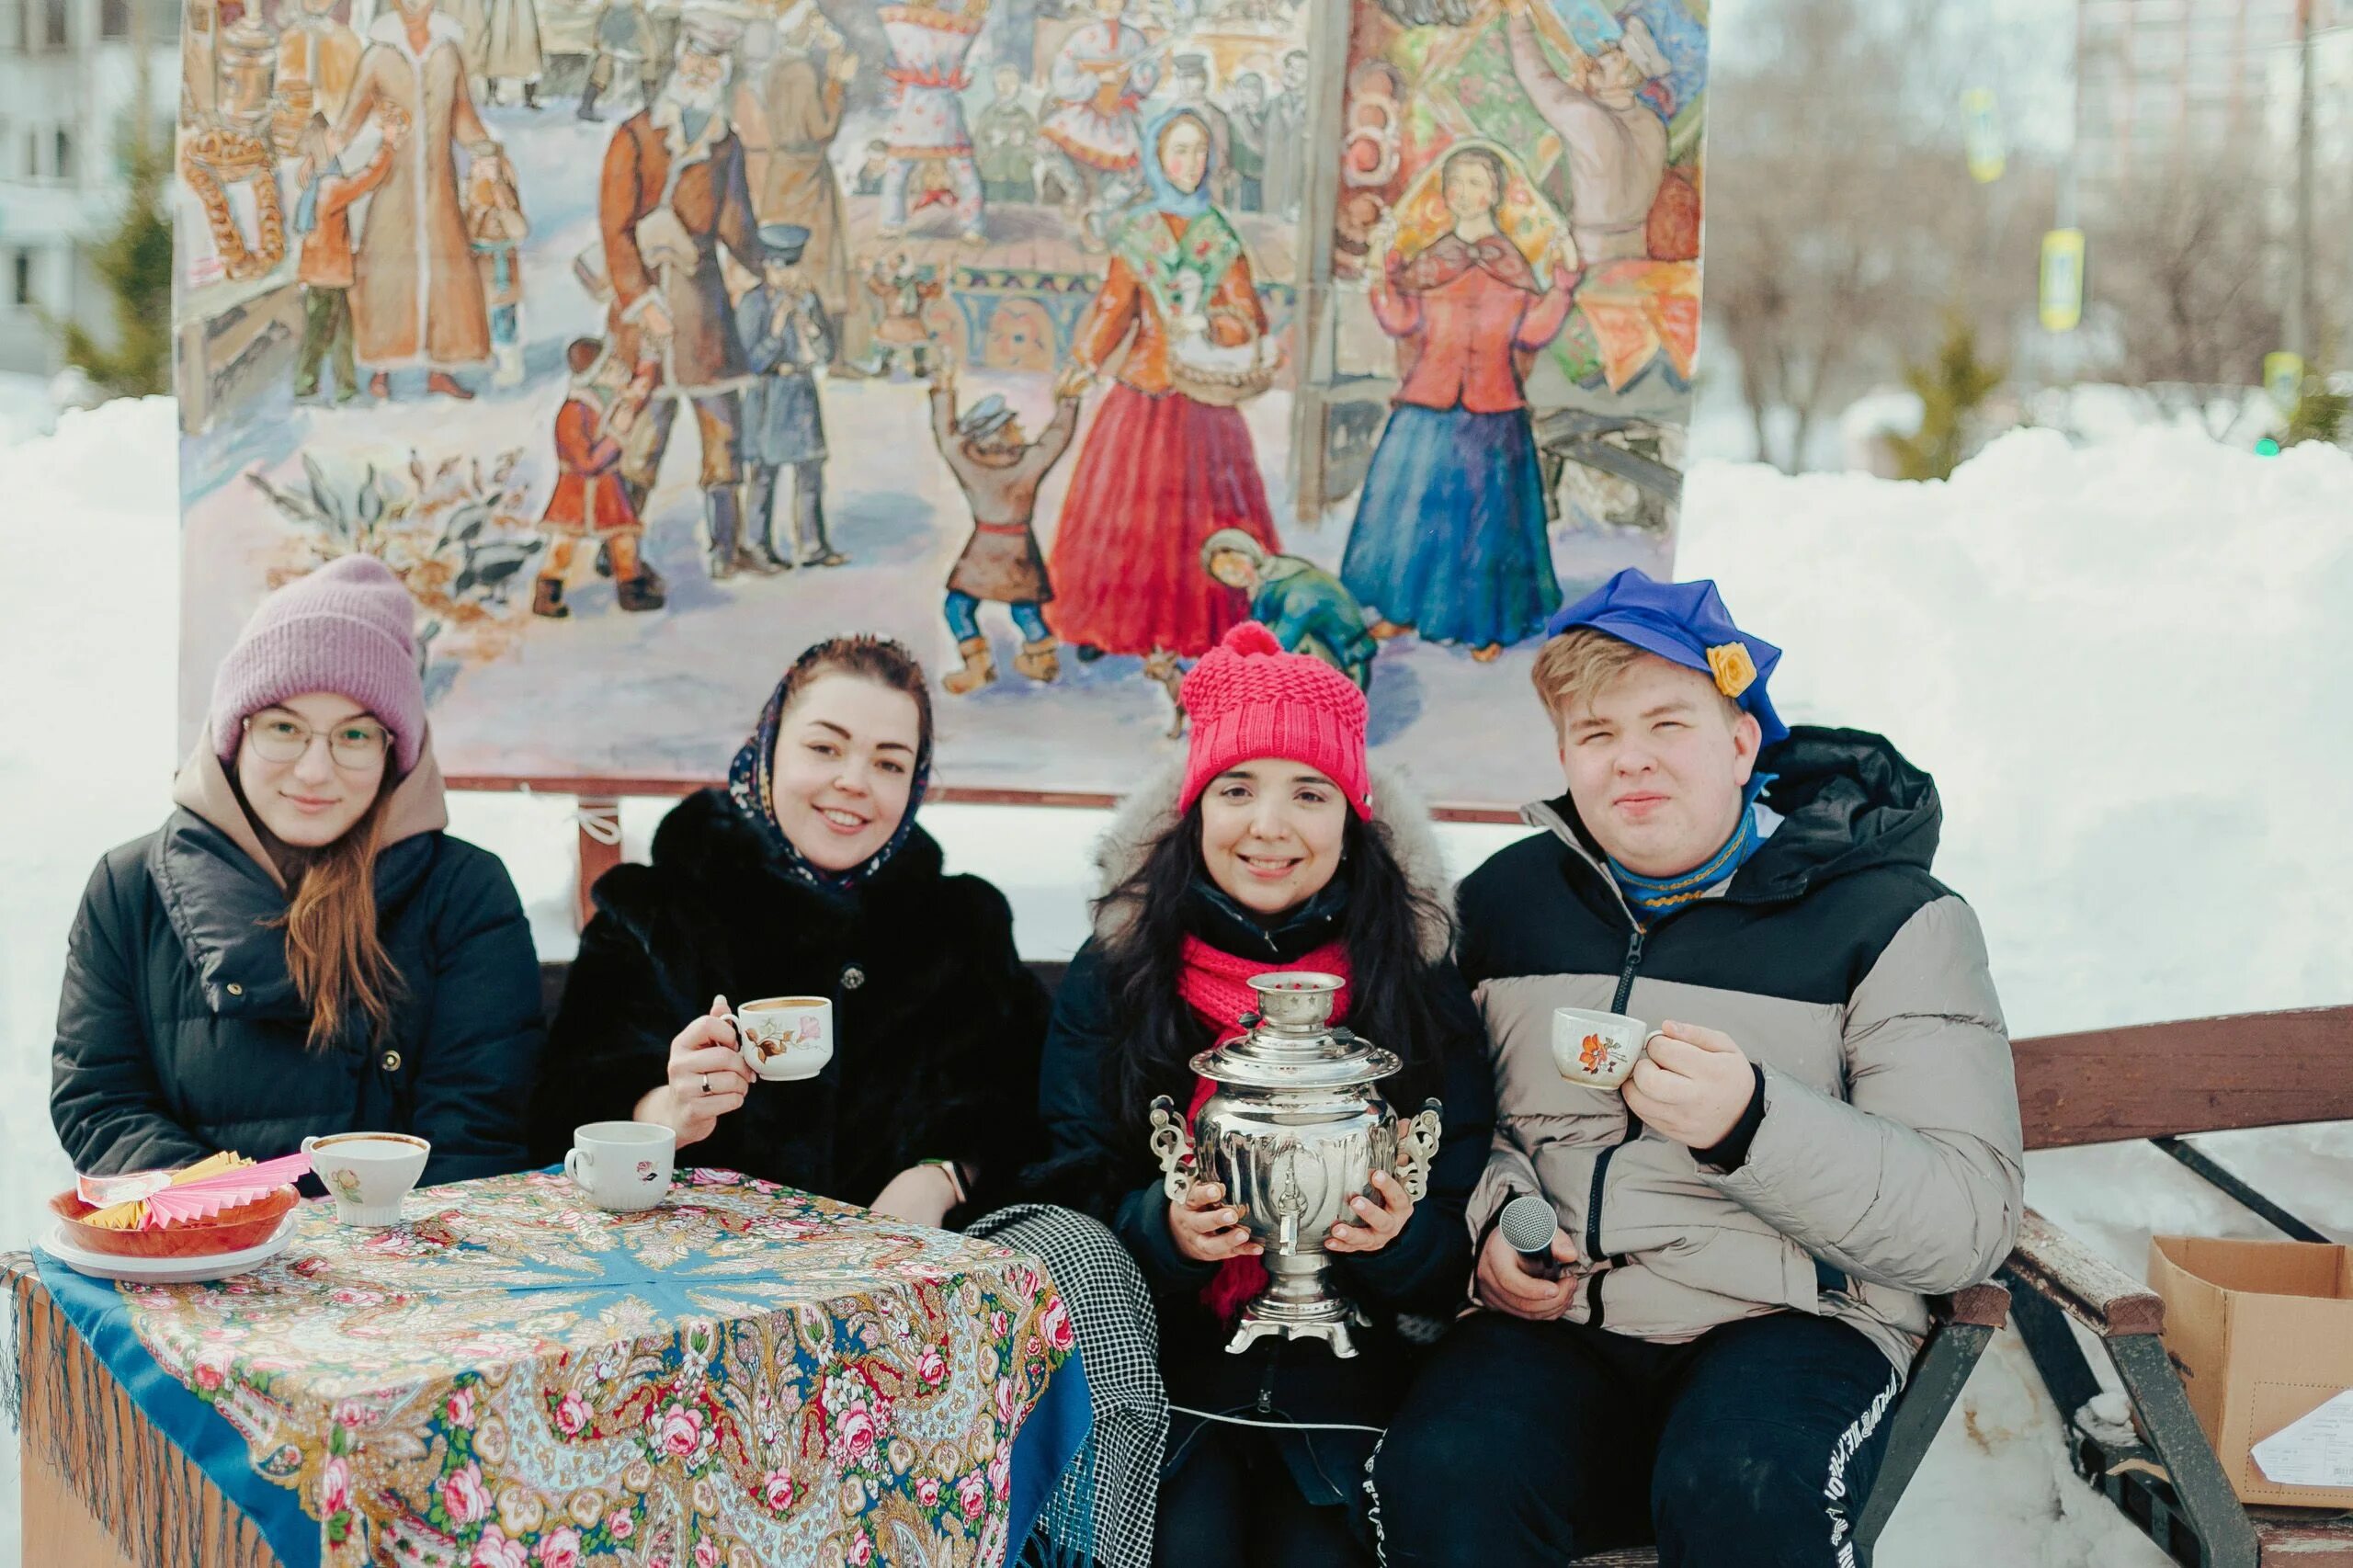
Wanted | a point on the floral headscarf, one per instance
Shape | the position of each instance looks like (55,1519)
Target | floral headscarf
(751,777)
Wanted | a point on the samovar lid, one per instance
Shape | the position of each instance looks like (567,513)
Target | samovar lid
(1291,1041)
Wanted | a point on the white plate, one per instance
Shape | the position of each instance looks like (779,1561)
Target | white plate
(167,1270)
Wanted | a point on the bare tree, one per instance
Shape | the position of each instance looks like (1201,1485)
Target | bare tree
(1843,227)
(2184,273)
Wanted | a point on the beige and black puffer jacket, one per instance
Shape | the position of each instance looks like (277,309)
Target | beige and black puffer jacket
(1888,1164)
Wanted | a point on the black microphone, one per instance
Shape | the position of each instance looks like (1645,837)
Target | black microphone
(1528,1223)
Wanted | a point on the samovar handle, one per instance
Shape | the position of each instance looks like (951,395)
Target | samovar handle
(1416,1148)
(1172,1145)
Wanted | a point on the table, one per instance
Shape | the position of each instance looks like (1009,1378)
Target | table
(744,1377)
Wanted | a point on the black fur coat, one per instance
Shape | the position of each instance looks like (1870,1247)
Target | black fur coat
(936,1025)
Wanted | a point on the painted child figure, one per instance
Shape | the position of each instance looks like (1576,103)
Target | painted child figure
(1006,137)
(606,400)
(495,221)
(323,217)
(786,335)
(1000,473)
(625,41)
(902,291)
(868,179)
(1307,608)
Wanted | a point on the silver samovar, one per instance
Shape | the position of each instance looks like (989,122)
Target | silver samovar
(1294,1130)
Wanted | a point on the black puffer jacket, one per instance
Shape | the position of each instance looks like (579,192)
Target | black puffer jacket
(936,1022)
(1101,1163)
(180,1033)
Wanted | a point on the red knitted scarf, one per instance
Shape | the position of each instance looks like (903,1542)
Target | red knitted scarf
(1216,986)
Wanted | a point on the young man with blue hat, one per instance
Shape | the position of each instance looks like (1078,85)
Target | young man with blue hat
(1824,1133)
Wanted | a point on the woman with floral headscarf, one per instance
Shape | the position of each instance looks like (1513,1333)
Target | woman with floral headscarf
(807,875)
(1161,471)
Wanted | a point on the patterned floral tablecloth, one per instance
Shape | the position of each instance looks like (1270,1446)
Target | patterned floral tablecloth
(746,1377)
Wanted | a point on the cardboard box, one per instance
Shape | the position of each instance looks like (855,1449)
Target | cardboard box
(2263,1333)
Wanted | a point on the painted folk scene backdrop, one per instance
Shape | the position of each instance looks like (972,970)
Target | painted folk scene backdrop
(650,342)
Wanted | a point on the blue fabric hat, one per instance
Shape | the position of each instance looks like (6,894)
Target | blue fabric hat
(985,418)
(783,241)
(1687,624)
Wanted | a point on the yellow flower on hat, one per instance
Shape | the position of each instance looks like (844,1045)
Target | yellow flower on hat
(1735,671)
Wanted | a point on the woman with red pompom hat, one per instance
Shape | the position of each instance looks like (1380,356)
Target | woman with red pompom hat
(1266,852)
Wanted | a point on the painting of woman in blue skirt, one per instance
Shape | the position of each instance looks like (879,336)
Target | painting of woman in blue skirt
(1450,539)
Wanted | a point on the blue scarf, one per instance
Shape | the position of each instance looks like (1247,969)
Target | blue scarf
(306,206)
(750,785)
(1651,897)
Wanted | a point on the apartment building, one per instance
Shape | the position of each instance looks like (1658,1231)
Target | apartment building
(69,89)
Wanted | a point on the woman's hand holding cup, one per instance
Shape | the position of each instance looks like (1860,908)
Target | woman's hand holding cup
(1205,1230)
(706,1078)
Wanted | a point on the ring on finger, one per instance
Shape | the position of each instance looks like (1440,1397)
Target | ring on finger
(706,1085)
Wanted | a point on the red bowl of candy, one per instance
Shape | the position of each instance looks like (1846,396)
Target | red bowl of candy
(231,1230)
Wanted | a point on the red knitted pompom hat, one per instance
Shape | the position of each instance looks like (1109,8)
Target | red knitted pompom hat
(1248,699)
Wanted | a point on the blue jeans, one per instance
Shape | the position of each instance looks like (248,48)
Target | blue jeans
(964,617)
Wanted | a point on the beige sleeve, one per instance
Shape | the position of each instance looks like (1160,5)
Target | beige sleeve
(1916,1179)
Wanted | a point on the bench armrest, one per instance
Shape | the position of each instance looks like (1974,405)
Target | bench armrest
(2078,1281)
(1980,1306)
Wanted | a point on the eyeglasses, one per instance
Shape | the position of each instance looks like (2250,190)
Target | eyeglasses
(353,744)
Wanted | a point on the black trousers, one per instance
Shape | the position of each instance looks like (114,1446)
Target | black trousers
(1228,1498)
(1751,1447)
(1274,1494)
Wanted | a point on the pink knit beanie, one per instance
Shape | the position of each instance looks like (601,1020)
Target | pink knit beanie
(1248,699)
(347,628)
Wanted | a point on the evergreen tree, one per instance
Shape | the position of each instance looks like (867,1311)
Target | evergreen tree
(2320,415)
(1951,389)
(136,264)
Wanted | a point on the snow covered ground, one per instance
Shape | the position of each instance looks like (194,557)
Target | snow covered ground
(2109,657)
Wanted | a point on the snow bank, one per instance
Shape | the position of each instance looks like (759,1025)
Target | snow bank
(2113,658)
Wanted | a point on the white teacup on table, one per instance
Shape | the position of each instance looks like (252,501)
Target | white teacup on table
(1597,1049)
(368,1173)
(622,1166)
(785,1038)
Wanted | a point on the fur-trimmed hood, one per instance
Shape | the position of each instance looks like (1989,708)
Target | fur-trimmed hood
(1401,815)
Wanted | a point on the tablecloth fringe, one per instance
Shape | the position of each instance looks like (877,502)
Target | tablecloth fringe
(156,1502)
(14,1265)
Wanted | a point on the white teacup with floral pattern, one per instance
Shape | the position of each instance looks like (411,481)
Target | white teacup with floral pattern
(368,1173)
(785,1038)
(622,1166)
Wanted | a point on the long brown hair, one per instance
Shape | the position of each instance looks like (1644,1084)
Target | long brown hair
(334,953)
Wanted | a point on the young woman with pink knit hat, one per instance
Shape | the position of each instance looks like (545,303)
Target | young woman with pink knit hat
(1275,848)
(301,949)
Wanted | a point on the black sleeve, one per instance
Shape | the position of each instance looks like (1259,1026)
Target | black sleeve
(105,1098)
(1425,1268)
(1086,1168)
(481,1048)
(983,1110)
(1732,1152)
(610,1042)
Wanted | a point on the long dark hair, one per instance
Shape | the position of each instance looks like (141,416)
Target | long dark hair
(1383,925)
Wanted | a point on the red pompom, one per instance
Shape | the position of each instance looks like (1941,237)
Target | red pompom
(1250,636)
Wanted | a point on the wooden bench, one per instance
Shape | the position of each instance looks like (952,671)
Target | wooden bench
(1961,1326)
(2164,1083)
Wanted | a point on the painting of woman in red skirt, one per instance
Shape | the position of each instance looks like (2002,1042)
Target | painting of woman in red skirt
(1168,459)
